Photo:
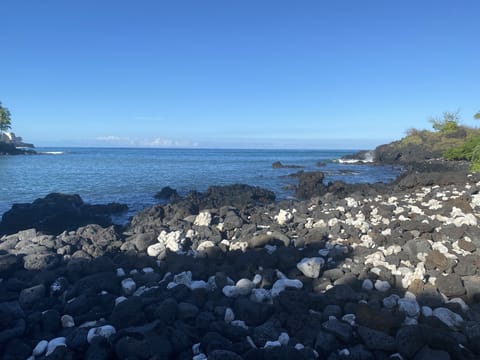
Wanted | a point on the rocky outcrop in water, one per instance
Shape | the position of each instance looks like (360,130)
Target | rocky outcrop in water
(10,149)
(56,213)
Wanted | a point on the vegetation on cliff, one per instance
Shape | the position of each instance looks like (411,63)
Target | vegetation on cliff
(449,140)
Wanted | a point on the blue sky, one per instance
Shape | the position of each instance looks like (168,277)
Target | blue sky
(250,73)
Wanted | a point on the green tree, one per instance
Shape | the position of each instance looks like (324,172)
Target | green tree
(447,123)
(477,116)
(5,122)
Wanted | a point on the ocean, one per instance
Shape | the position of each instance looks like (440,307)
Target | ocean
(134,175)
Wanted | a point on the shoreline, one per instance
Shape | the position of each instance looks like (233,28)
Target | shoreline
(360,269)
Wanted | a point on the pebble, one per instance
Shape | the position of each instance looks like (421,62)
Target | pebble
(40,348)
(409,307)
(54,343)
(105,331)
(448,317)
(382,286)
(310,267)
(128,286)
(67,321)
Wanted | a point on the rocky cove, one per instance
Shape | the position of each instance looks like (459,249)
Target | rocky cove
(379,271)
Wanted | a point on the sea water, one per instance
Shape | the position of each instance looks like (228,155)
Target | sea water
(133,176)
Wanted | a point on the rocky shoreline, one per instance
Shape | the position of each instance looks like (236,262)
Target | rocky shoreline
(11,149)
(381,271)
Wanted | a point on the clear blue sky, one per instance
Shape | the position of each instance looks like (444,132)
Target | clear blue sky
(249,73)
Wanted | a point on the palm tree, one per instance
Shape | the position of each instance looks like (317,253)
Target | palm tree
(5,122)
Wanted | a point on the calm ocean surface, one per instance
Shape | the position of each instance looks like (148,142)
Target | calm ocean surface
(133,176)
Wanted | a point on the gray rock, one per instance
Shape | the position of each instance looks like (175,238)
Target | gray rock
(186,311)
(264,333)
(9,262)
(340,329)
(223,355)
(274,237)
(472,286)
(376,340)
(472,331)
(310,184)
(77,339)
(467,265)
(450,285)
(416,246)
(332,310)
(10,310)
(232,221)
(251,312)
(166,311)
(28,234)
(325,342)
(16,330)
(30,295)
(128,313)
(436,260)
(448,317)
(143,241)
(429,354)
(409,340)
(41,261)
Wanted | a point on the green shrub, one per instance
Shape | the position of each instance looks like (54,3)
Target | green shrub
(448,123)
(464,151)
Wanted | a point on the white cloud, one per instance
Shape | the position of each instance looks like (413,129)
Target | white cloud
(108,138)
(113,140)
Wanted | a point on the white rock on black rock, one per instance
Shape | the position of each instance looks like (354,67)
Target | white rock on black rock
(310,267)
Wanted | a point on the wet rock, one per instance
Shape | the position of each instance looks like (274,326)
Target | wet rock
(167,193)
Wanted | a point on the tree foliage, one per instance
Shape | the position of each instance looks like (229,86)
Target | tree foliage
(477,116)
(447,123)
(5,122)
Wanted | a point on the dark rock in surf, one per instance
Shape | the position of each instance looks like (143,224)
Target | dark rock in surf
(279,165)
(310,184)
(56,213)
(167,193)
